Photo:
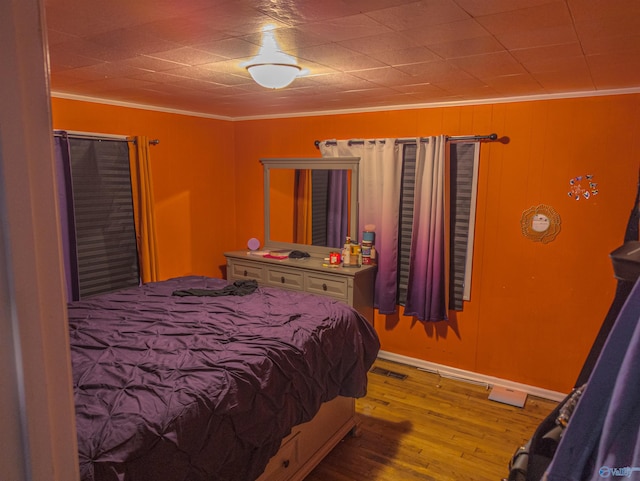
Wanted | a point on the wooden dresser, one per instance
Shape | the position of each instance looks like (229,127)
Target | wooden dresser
(353,285)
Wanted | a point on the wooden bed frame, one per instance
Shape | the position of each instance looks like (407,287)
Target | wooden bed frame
(310,442)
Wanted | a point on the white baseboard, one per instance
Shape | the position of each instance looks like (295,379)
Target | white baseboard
(469,376)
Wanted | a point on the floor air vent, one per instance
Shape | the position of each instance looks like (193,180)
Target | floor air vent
(386,372)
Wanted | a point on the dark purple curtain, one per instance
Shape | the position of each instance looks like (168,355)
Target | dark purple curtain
(65,206)
(337,208)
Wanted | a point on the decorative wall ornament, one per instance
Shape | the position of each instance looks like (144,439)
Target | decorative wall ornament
(579,190)
(540,223)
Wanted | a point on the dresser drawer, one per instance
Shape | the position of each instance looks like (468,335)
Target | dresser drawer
(333,286)
(249,270)
(285,462)
(282,277)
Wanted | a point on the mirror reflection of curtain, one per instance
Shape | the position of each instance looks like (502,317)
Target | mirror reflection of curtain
(337,208)
(321,207)
(143,208)
(303,206)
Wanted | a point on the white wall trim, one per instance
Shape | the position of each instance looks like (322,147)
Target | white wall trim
(431,105)
(470,376)
(133,105)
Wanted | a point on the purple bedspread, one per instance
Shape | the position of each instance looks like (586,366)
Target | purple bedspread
(205,388)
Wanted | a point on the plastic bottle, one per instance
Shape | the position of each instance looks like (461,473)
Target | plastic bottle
(346,252)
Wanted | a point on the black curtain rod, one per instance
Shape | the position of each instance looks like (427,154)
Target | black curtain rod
(461,138)
(99,137)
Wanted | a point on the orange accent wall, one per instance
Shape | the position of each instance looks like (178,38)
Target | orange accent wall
(535,308)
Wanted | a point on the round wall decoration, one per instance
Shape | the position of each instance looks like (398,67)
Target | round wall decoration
(540,223)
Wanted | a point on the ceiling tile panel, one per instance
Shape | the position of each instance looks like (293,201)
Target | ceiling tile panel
(613,44)
(566,80)
(489,65)
(407,56)
(515,85)
(187,56)
(435,72)
(542,59)
(296,12)
(447,32)
(387,76)
(62,59)
(614,71)
(232,48)
(479,8)
(380,42)
(345,28)
(185,30)
(547,24)
(467,47)
(131,42)
(151,64)
(75,22)
(414,15)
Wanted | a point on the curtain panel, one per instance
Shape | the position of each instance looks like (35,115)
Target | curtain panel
(427,284)
(380,189)
(143,208)
(62,166)
(379,198)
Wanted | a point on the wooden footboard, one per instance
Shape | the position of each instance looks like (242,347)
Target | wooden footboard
(310,442)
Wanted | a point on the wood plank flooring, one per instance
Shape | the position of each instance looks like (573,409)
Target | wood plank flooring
(426,427)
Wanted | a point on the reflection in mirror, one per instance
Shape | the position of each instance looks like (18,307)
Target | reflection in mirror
(310,204)
(309,207)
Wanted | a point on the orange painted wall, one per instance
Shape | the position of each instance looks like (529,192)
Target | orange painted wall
(193,178)
(535,308)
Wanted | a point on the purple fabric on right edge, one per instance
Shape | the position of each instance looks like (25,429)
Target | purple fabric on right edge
(602,439)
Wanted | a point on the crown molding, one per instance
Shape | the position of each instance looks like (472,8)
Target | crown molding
(428,105)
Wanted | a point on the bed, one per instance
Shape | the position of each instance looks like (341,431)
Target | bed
(197,379)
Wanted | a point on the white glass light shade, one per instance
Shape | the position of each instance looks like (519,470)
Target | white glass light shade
(273,76)
(272,68)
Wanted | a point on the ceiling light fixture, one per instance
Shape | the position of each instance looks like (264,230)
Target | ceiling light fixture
(272,68)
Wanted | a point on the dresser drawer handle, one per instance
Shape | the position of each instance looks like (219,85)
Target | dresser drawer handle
(282,279)
(285,463)
(324,287)
(245,273)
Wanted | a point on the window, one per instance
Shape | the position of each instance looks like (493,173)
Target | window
(101,229)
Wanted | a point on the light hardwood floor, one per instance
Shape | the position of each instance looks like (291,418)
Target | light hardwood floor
(426,427)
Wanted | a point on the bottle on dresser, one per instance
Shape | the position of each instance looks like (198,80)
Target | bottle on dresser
(346,252)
